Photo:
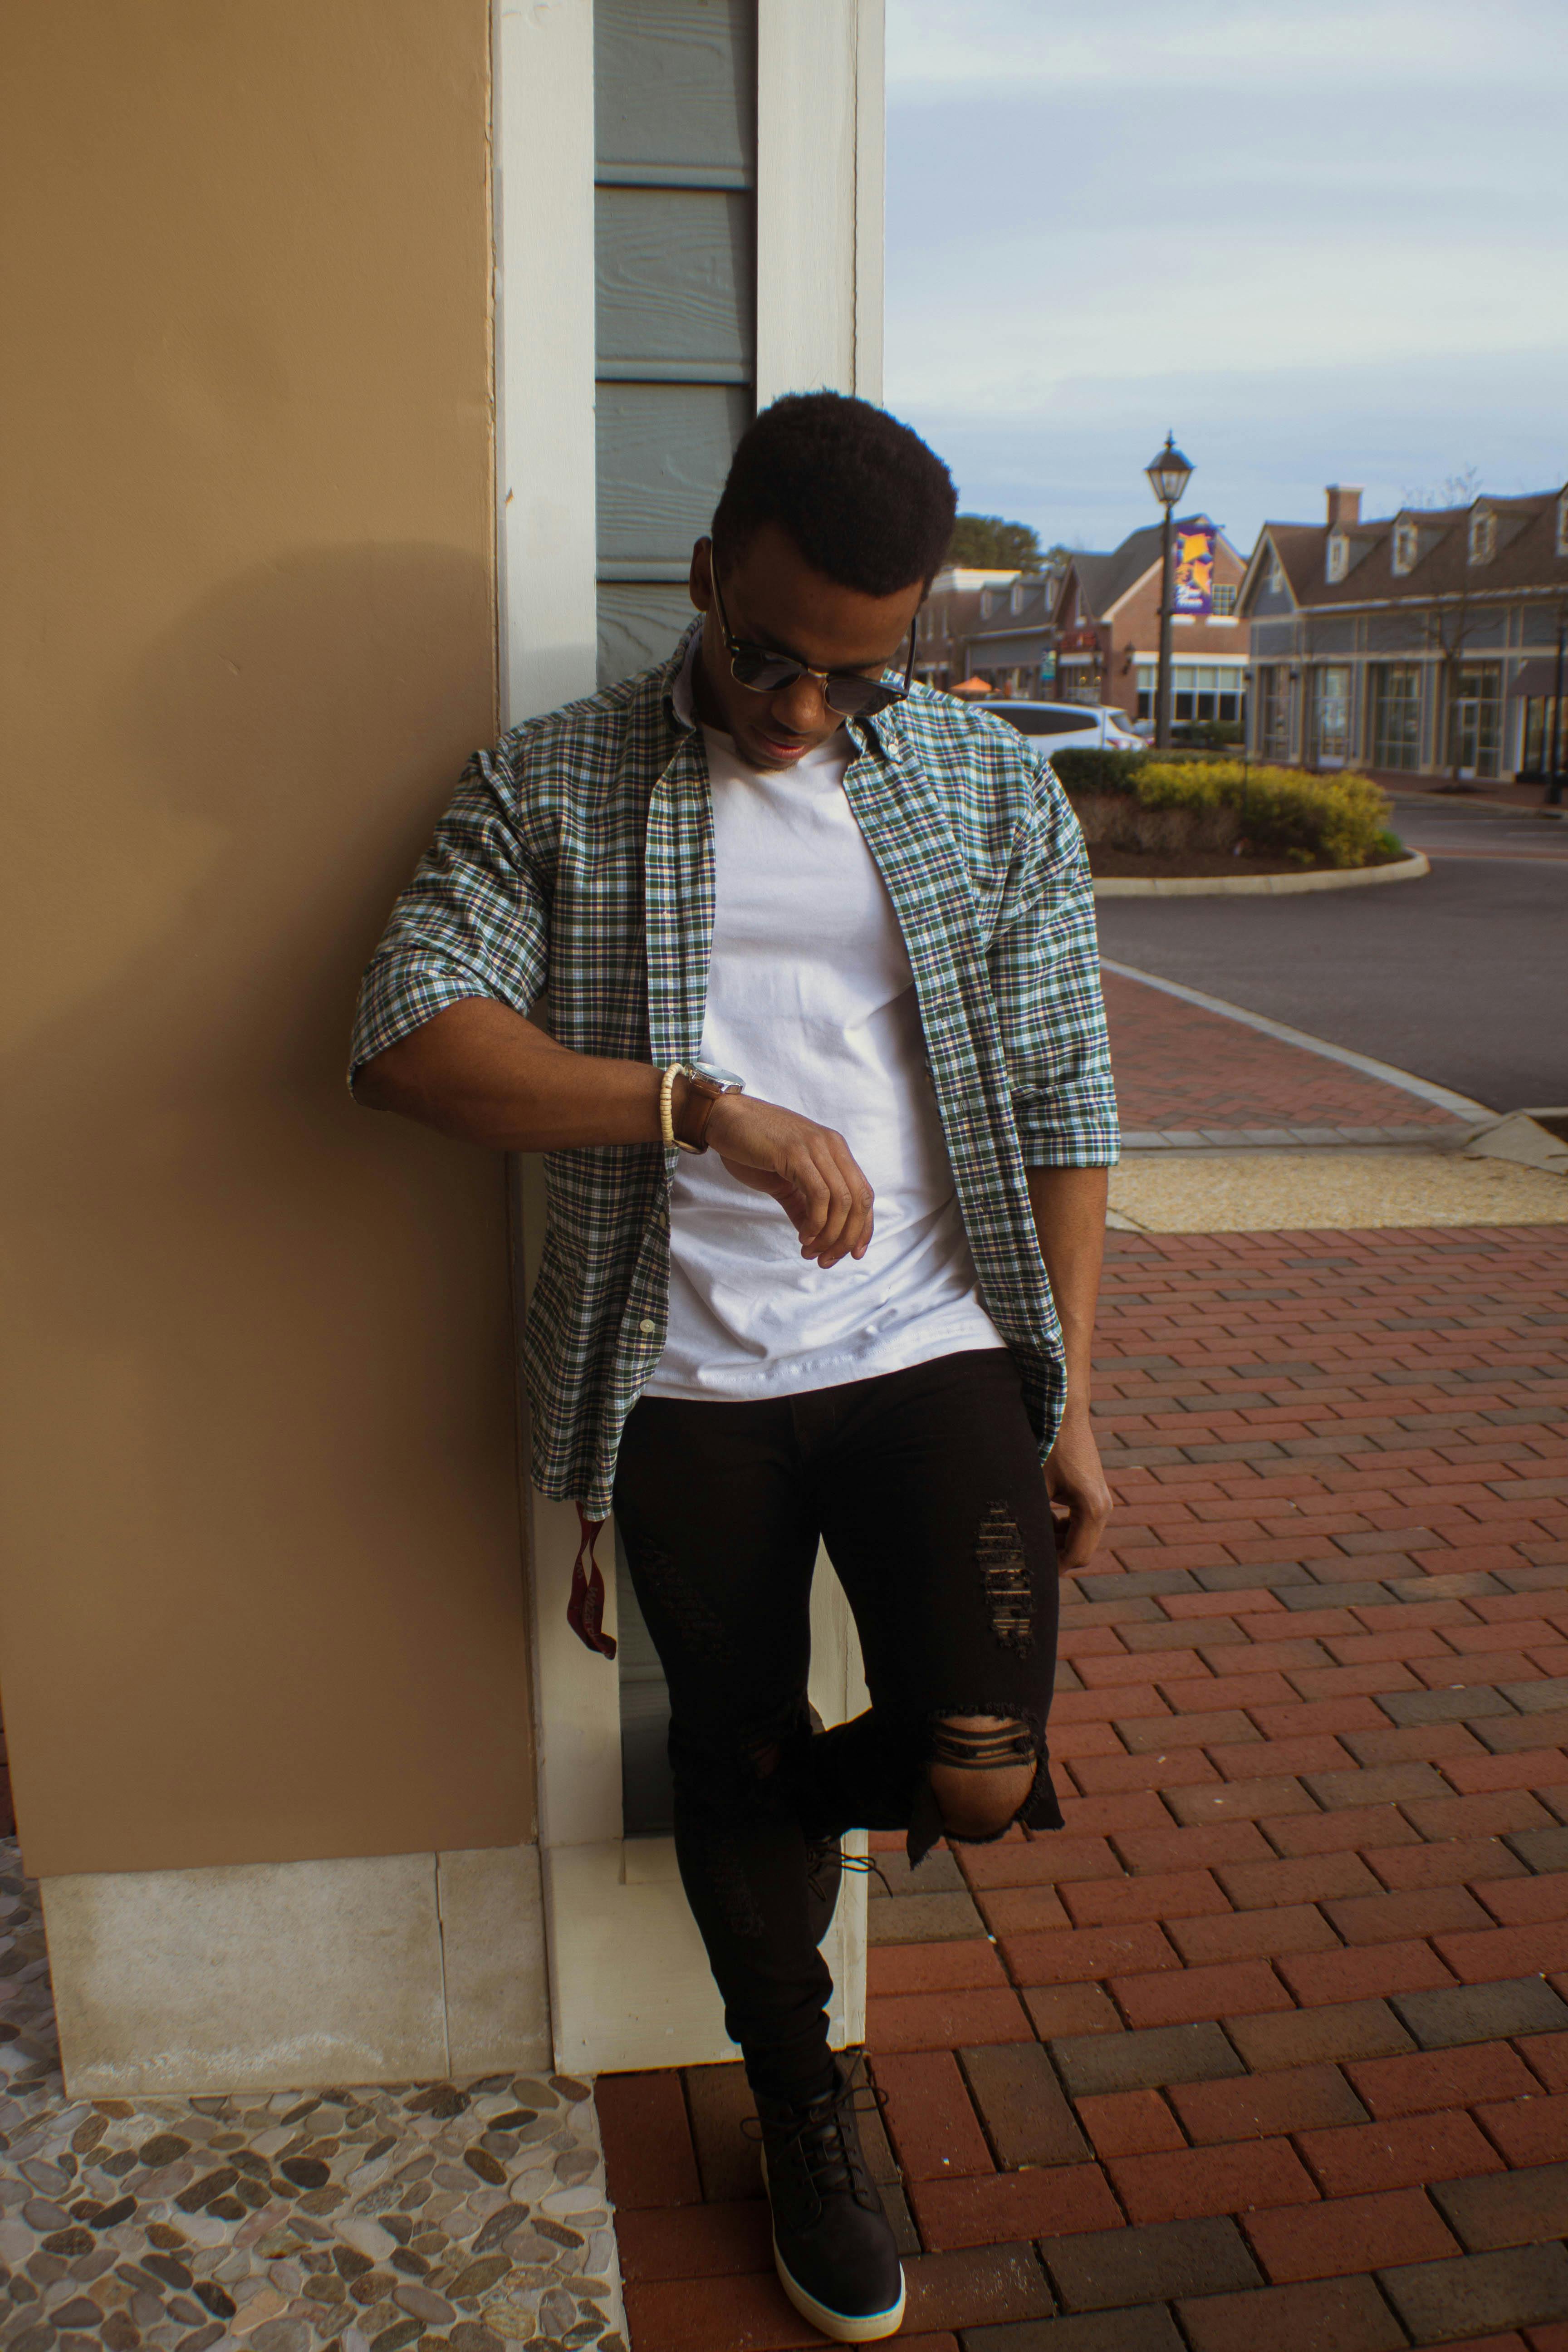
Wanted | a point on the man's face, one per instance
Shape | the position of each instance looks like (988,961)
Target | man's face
(774,598)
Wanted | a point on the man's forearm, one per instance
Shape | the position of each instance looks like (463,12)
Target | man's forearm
(1069,1206)
(479,1072)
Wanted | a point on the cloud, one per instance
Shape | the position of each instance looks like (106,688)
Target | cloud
(1264,447)
(1309,238)
(1235,45)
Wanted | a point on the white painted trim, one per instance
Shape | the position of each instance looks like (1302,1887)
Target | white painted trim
(1199,660)
(1441,1097)
(808,208)
(870,193)
(629,1983)
(543,65)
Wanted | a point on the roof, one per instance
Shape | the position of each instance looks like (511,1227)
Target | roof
(1526,558)
(1033,610)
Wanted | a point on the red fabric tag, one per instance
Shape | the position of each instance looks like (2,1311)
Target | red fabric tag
(586,1610)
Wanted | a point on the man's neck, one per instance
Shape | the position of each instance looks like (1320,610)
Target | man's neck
(704,702)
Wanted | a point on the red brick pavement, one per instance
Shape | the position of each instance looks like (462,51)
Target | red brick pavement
(1271,2045)
(1179,1066)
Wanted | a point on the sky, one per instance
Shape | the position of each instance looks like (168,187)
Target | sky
(1322,243)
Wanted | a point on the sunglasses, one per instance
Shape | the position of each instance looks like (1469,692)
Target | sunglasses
(850,692)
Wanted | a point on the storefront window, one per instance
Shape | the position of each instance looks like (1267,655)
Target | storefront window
(1331,713)
(1273,713)
(1475,721)
(1535,750)
(1396,689)
(1198,690)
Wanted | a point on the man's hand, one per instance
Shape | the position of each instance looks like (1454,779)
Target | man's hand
(1076,1483)
(808,1170)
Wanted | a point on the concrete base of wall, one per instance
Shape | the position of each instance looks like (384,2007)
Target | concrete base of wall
(614,2012)
(299,1975)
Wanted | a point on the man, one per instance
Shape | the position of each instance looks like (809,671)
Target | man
(827,1103)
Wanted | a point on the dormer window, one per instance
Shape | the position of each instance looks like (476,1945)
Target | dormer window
(1276,578)
(1563,524)
(1406,548)
(1339,560)
(985,603)
(1483,535)
(1016,597)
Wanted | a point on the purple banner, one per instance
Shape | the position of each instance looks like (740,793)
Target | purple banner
(1193,593)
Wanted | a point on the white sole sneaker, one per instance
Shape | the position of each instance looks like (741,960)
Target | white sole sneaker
(838,2326)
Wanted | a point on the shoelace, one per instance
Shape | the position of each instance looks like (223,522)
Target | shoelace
(852,1865)
(830,2157)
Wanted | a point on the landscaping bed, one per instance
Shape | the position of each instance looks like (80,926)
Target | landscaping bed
(1196,817)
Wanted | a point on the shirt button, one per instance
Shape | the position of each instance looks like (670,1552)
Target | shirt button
(646,1328)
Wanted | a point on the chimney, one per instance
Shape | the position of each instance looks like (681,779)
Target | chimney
(1345,505)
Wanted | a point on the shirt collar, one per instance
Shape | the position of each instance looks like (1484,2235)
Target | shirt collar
(676,680)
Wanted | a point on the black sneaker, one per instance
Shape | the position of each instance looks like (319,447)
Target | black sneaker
(833,2245)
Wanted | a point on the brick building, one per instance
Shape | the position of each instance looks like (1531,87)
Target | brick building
(1424,642)
(1108,629)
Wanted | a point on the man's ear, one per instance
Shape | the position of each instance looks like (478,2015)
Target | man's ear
(700,583)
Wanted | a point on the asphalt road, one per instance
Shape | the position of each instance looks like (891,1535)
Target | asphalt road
(1461,978)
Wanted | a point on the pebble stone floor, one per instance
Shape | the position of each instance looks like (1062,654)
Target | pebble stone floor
(459,2217)
(1269,2046)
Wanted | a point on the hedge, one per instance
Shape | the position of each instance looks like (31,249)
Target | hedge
(1277,811)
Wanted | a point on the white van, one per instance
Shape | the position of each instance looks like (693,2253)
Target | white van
(1091,726)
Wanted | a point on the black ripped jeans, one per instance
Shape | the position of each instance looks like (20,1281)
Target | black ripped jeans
(926,1487)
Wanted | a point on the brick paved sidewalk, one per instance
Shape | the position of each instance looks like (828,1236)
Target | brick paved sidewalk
(1270,2046)
(1188,1076)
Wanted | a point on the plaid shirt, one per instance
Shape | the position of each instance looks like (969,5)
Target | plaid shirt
(577,860)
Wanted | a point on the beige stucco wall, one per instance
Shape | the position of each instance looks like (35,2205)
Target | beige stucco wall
(261,1590)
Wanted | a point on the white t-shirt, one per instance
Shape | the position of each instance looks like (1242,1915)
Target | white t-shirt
(811,998)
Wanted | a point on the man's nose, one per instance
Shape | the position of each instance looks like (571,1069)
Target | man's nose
(801,707)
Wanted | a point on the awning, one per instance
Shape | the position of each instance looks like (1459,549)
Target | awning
(1538,678)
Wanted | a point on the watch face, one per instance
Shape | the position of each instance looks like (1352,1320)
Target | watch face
(721,1078)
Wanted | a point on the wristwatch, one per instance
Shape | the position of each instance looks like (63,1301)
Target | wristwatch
(705,1082)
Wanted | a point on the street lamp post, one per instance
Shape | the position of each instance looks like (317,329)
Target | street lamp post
(1169,475)
(1555,782)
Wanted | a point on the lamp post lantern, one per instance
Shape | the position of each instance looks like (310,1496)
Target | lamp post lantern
(1169,474)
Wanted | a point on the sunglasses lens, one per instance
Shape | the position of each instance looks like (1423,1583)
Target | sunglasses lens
(765,672)
(856,698)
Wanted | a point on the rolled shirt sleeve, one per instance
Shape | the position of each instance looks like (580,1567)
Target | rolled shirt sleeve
(1045,967)
(474,920)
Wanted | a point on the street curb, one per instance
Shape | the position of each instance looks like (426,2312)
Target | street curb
(1464,1106)
(1257,886)
(1452,801)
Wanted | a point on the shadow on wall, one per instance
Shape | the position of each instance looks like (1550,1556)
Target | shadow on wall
(263,1399)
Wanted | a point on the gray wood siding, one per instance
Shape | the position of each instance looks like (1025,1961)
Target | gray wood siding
(677,290)
(675,81)
(639,624)
(675,247)
(664,450)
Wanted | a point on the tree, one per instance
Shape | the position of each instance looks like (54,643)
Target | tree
(987,544)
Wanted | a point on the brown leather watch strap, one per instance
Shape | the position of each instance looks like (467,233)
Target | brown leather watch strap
(693,1111)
